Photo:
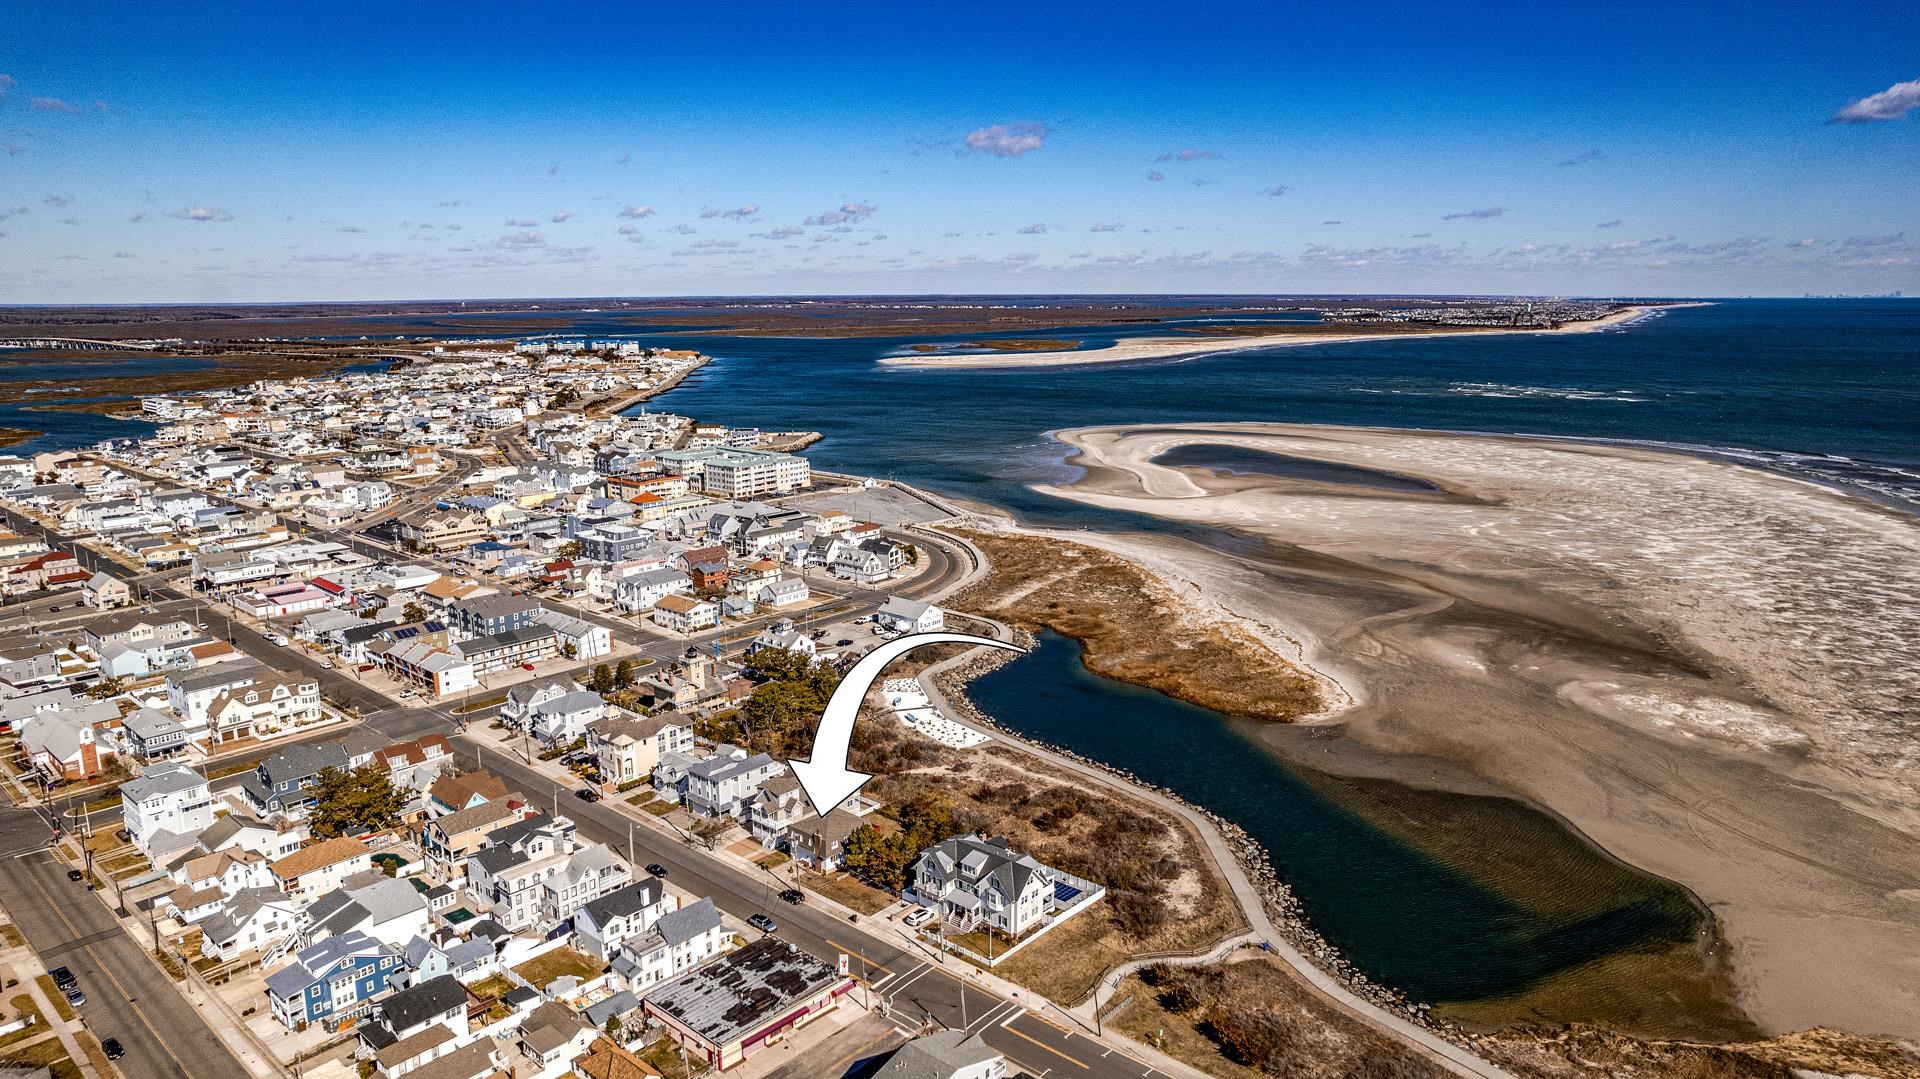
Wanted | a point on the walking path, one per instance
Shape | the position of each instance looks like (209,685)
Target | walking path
(1454,1057)
(62,1028)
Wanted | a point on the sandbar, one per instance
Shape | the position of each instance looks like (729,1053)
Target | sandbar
(1711,670)
(1140,349)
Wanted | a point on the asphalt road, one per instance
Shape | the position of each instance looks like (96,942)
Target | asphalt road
(913,988)
(128,997)
(143,1002)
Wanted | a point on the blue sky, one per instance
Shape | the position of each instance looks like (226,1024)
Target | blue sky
(229,153)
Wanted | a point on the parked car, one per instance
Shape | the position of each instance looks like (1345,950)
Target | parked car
(918,917)
(843,642)
(76,876)
(113,1048)
(763,923)
(587,794)
(794,896)
(364,667)
(75,997)
(526,666)
(656,869)
(63,978)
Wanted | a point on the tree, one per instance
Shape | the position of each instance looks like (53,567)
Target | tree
(348,802)
(708,829)
(881,860)
(413,612)
(602,681)
(623,675)
(913,555)
(569,549)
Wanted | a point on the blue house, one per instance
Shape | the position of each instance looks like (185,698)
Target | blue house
(283,782)
(333,980)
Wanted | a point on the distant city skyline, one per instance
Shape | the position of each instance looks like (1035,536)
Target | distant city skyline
(240,153)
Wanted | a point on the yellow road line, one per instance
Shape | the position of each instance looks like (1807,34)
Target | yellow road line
(131,1003)
(1047,1047)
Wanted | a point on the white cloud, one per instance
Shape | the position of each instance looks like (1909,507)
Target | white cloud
(1476,215)
(1007,140)
(1276,190)
(1106,226)
(1890,104)
(1031,230)
(1189,154)
(52,104)
(522,239)
(521,223)
(1156,176)
(848,211)
(738,213)
(560,215)
(1584,158)
(203,213)
(635,211)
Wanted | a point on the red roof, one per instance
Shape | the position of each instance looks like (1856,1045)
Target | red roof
(329,586)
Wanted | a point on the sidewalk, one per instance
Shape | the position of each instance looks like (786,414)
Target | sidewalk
(883,924)
(1456,1058)
(224,1023)
(23,962)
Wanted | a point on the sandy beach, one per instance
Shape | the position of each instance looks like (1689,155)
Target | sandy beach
(1166,348)
(1710,670)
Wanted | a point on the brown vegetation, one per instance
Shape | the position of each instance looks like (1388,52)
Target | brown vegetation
(1250,1017)
(1585,1052)
(1132,626)
(1254,1017)
(1164,891)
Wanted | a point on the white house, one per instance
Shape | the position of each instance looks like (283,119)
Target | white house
(602,925)
(642,590)
(679,941)
(252,919)
(589,640)
(104,591)
(909,616)
(311,872)
(168,798)
(685,614)
(782,592)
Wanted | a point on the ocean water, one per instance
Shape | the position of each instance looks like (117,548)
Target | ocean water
(1825,389)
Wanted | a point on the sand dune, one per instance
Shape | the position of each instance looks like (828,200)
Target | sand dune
(1164,348)
(1712,670)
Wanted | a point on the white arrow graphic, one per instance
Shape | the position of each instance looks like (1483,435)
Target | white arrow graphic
(825,777)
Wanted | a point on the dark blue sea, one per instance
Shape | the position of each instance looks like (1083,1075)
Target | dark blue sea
(1825,389)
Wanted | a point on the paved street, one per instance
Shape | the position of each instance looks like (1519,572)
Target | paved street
(128,997)
(902,975)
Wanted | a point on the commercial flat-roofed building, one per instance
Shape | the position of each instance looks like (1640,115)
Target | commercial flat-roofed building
(729,1009)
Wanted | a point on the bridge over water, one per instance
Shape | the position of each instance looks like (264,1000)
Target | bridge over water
(76,343)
